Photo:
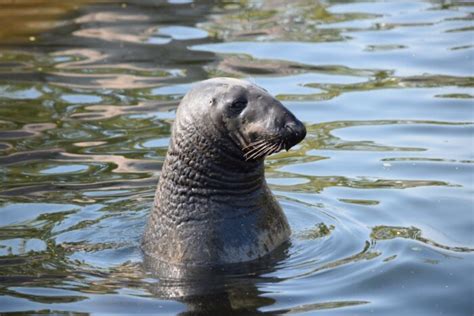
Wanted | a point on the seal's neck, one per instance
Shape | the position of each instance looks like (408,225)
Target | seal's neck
(201,158)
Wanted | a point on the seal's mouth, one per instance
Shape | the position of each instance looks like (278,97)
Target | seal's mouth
(291,135)
(263,147)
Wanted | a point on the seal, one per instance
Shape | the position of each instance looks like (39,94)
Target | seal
(212,204)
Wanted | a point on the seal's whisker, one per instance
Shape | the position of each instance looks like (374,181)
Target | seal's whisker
(271,150)
(267,152)
(275,148)
(280,146)
(255,149)
(259,152)
(260,141)
(262,147)
(240,138)
(254,153)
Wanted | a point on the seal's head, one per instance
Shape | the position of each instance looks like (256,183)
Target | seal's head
(254,121)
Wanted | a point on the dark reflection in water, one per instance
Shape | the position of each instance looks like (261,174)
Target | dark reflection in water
(378,195)
(231,289)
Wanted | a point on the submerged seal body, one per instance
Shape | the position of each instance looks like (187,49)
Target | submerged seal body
(212,205)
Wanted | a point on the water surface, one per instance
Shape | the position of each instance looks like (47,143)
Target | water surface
(378,195)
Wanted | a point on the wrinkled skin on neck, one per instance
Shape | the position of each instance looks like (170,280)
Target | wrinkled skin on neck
(212,204)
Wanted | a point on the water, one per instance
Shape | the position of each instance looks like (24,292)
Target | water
(379,195)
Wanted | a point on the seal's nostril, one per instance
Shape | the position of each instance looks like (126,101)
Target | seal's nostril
(296,127)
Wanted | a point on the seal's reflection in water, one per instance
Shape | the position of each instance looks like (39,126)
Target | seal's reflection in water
(230,289)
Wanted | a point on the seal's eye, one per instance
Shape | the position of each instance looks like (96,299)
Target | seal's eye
(238,105)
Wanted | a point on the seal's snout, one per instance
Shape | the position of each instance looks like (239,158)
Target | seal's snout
(294,133)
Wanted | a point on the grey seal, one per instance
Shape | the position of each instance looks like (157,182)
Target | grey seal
(212,204)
